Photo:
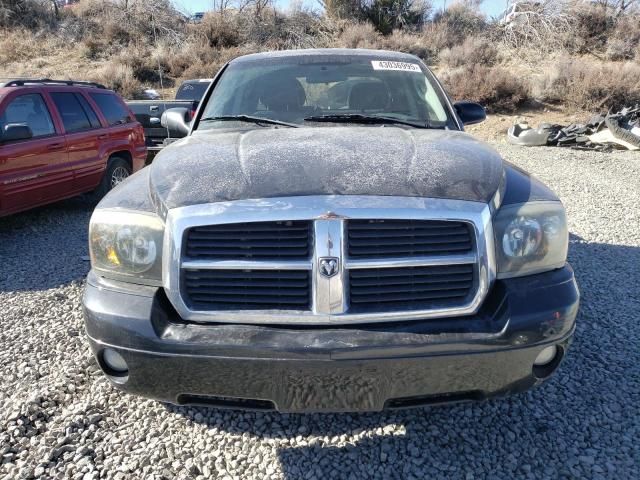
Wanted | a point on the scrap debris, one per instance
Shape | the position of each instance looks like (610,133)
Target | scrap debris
(620,130)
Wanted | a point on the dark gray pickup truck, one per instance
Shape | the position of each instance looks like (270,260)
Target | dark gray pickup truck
(328,238)
(149,113)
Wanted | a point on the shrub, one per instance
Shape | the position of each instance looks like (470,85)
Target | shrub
(409,43)
(17,45)
(592,86)
(474,50)
(451,26)
(388,15)
(218,30)
(592,26)
(342,9)
(625,38)
(359,35)
(494,87)
(619,49)
(120,78)
(30,14)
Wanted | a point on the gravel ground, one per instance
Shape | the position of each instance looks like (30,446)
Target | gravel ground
(60,418)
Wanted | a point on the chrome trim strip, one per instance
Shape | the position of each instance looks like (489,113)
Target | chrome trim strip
(246,265)
(328,293)
(334,208)
(412,262)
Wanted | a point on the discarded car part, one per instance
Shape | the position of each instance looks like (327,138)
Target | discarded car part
(601,132)
(621,135)
(522,134)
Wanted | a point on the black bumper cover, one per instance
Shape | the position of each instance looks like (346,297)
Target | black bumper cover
(348,368)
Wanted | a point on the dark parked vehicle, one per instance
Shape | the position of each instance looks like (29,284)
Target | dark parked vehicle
(193,89)
(328,238)
(63,138)
(149,113)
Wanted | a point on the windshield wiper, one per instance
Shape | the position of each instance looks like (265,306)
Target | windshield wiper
(360,118)
(250,119)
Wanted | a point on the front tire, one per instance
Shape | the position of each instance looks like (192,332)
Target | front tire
(118,170)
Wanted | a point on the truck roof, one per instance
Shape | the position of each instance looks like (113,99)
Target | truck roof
(333,52)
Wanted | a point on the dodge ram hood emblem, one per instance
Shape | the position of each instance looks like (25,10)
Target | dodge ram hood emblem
(328,266)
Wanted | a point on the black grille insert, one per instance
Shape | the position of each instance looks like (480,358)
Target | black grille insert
(288,240)
(407,238)
(409,288)
(247,289)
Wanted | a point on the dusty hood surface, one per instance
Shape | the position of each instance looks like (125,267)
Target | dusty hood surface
(216,166)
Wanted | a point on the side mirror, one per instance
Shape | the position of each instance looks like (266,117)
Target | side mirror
(14,132)
(176,120)
(470,112)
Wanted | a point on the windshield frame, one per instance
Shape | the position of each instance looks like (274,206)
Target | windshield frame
(452,123)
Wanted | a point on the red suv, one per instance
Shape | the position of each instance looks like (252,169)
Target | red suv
(62,138)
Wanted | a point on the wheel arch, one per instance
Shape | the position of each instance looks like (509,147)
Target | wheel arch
(124,155)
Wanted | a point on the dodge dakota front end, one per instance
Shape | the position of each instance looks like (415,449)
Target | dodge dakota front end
(328,238)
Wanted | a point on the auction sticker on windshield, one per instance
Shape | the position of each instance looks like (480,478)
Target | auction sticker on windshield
(389,65)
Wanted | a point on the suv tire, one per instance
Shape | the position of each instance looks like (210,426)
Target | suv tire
(118,169)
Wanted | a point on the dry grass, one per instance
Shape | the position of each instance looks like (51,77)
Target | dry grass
(595,86)
(494,87)
(359,35)
(120,77)
(474,50)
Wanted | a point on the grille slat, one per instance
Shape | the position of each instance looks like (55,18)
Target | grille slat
(402,272)
(412,239)
(407,238)
(247,289)
(254,240)
(411,288)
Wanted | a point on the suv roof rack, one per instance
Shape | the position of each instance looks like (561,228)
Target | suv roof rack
(47,81)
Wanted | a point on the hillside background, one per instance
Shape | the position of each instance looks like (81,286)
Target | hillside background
(561,56)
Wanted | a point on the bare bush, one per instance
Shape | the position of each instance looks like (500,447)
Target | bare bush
(23,45)
(474,50)
(494,87)
(402,41)
(591,26)
(219,30)
(591,85)
(624,39)
(30,14)
(120,78)
(543,26)
(359,35)
(451,26)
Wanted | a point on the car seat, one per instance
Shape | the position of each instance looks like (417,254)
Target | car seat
(369,96)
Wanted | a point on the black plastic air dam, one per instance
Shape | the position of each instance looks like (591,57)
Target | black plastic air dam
(367,368)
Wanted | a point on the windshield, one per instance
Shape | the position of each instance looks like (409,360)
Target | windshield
(292,89)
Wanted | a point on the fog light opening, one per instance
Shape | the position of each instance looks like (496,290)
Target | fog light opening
(546,356)
(547,361)
(114,364)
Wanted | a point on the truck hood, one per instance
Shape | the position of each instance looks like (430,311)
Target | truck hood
(216,166)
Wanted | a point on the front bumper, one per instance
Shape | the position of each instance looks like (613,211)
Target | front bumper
(347,368)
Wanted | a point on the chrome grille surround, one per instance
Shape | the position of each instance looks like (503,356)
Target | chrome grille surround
(329,214)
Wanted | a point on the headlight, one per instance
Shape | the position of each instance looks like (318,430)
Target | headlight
(127,245)
(530,238)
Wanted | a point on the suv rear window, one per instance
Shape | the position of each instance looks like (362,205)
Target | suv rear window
(112,109)
(74,116)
